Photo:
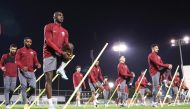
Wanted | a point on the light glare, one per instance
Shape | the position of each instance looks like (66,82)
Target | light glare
(172,41)
(111,84)
(120,47)
(186,39)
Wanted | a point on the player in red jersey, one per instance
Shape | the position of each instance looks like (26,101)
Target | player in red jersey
(77,77)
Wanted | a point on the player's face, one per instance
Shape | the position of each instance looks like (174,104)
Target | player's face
(13,50)
(156,49)
(59,17)
(122,59)
(27,43)
(78,69)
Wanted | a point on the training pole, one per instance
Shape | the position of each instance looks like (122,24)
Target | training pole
(137,88)
(178,91)
(113,94)
(77,88)
(170,86)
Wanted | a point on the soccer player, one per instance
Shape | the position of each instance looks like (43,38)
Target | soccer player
(124,77)
(27,61)
(55,39)
(10,69)
(143,87)
(157,67)
(106,89)
(77,77)
(95,80)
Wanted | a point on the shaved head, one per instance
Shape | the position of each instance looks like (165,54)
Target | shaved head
(58,17)
(57,13)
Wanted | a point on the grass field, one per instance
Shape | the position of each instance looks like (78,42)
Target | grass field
(184,106)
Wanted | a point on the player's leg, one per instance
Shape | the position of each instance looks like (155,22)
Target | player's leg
(155,83)
(49,66)
(78,97)
(142,92)
(92,88)
(32,84)
(23,82)
(13,85)
(122,89)
(106,94)
(7,90)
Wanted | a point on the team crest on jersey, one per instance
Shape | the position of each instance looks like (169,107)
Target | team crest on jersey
(32,52)
(63,33)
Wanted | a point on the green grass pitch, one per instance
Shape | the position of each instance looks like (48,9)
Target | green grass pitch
(113,106)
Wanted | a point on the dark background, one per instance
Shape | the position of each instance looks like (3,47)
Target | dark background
(92,23)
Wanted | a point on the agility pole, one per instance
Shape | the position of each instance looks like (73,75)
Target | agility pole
(137,88)
(178,91)
(77,88)
(38,97)
(170,86)
(159,91)
(113,94)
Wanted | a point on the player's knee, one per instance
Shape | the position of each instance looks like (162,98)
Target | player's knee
(32,87)
(23,87)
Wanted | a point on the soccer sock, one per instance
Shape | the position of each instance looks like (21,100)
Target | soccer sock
(50,101)
(62,65)
(78,102)
(94,101)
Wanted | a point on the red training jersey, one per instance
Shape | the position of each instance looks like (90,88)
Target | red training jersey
(77,77)
(8,61)
(155,62)
(123,71)
(26,57)
(95,74)
(55,36)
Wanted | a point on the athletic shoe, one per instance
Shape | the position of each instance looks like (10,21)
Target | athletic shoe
(155,104)
(61,72)
(8,106)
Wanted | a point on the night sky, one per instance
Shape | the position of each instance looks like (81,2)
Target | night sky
(92,23)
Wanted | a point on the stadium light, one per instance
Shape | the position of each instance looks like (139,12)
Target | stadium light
(111,84)
(180,42)
(186,39)
(120,47)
